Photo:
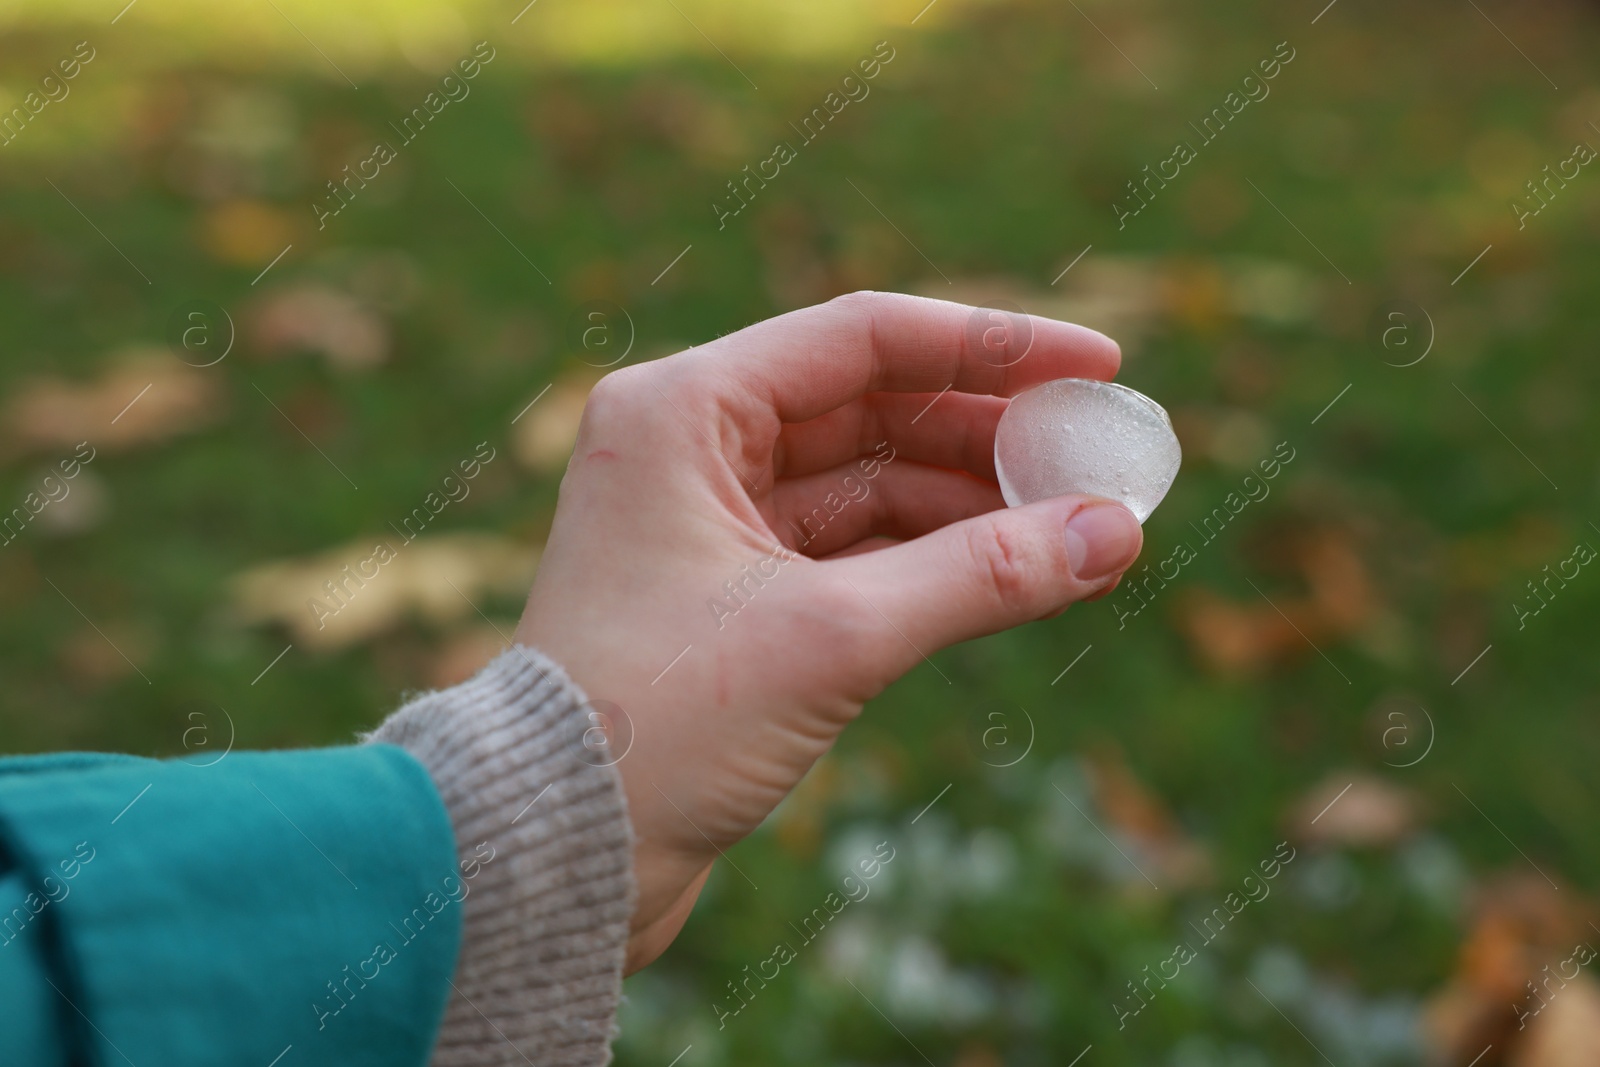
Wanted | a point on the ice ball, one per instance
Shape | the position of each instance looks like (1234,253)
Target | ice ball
(1076,435)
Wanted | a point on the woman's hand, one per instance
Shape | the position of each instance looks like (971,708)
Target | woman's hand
(758,535)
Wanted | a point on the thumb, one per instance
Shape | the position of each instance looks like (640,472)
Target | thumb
(997,570)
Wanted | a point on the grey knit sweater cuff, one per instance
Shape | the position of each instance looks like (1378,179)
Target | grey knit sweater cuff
(543,833)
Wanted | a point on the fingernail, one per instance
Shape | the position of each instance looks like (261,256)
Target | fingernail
(1101,539)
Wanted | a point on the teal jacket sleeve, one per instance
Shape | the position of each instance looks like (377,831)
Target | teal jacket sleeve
(277,909)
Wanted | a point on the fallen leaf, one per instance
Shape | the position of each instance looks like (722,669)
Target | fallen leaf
(1141,816)
(978,1055)
(90,660)
(1244,637)
(438,579)
(1270,290)
(1566,1032)
(85,505)
(543,436)
(1341,590)
(1195,295)
(145,396)
(1521,930)
(1354,809)
(1233,638)
(246,233)
(316,318)
(388,280)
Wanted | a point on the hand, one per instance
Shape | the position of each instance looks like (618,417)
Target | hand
(793,504)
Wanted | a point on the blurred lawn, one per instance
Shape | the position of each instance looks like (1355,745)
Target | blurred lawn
(587,156)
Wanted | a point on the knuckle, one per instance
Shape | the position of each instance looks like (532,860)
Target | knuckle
(861,301)
(615,387)
(850,321)
(615,399)
(853,313)
(1012,568)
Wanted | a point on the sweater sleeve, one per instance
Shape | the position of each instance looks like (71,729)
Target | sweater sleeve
(541,823)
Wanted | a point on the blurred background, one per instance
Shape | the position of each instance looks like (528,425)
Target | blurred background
(223,380)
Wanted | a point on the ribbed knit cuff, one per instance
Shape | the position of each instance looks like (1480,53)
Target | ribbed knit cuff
(546,922)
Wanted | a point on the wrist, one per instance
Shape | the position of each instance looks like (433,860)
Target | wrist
(506,755)
(652,931)
(662,876)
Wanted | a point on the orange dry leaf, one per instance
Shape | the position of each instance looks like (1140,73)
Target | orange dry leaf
(1237,638)
(146,396)
(1135,811)
(1509,993)
(1341,591)
(1245,637)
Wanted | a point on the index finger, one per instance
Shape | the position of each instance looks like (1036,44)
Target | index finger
(809,362)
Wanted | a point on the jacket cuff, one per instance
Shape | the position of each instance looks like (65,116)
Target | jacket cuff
(542,831)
